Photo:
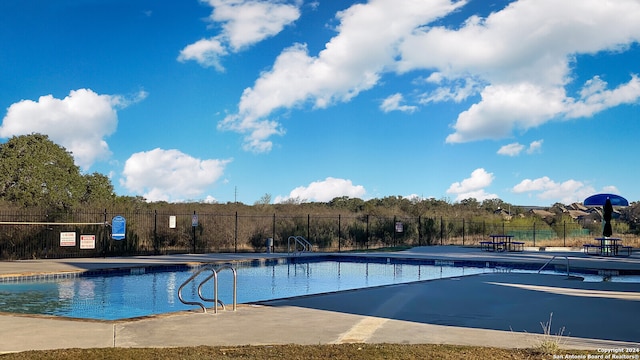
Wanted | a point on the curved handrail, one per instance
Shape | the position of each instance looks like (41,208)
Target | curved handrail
(215,300)
(191,278)
(306,245)
(214,276)
(235,283)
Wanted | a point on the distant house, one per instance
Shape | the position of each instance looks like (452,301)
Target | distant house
(503,213)
(543,214)
(579,215)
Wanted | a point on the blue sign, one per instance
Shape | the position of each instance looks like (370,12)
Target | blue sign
(118,228)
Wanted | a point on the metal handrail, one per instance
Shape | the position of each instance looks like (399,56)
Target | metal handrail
(214,276)
(306,245)
(215,299)
(190,279)
(552,258)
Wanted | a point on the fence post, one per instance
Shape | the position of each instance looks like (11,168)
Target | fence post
(534,234)
(419,231)
(235,235)
(339,234)
(106,235)
(367,231)
(273,235)
(462,232)
(394,230)
(155,232)
(193,228)
(441,231)
(564,233)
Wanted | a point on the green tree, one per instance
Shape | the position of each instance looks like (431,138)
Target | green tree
(36,172)
(98,189)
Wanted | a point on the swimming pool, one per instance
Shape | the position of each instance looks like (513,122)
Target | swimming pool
(143,291)
(139,292)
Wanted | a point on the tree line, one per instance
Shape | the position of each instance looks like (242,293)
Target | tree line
(36,173)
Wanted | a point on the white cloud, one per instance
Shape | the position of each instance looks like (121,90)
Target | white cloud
(513,149)
(518,60)
(210,200)
(594,97)
(457,90)
(350,63)
(506,107)
(170,175)
(535,147)
(324,191)
(473,187)
(80,122)
(207,52)
(244,23)
(523,53)
(392,103)
(544,188)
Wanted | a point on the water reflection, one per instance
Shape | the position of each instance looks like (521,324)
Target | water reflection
(120,297)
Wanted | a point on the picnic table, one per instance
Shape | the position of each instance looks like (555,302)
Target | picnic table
(501,242)
(606,246)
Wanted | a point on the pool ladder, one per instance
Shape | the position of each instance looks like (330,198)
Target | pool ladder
(298,240)
(214,276)
(550,260)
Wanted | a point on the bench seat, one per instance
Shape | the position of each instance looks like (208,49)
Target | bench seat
(587,247)
(628,249)
(517,245)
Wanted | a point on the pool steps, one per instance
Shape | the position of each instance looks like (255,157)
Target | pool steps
(214,276)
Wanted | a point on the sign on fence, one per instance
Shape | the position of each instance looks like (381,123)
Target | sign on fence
(87,241)
(118,228)
(68,238)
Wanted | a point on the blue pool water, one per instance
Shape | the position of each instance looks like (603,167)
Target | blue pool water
(147,291)
(142,294)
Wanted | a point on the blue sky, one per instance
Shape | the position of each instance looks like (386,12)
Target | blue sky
(530,101)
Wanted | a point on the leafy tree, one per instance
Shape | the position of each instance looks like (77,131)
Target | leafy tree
(98,189)
(36,172)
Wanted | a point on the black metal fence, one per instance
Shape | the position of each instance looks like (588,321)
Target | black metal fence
(91,234)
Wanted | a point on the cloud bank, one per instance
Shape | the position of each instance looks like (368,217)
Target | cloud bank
(324,191)
(80,122)
(514,64)
(244,23)
(170,175)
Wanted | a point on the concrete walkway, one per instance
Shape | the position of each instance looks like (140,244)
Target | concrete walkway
(495,309)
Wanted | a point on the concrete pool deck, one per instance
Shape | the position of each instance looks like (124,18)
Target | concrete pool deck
(495,309)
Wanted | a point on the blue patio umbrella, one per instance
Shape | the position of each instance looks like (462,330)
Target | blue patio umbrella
(601,199)
(607,201)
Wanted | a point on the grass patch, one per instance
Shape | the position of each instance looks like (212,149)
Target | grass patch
(334,352)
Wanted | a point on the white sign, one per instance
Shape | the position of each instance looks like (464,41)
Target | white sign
(68,238)
(172,222)
(87,241)
(399,227)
